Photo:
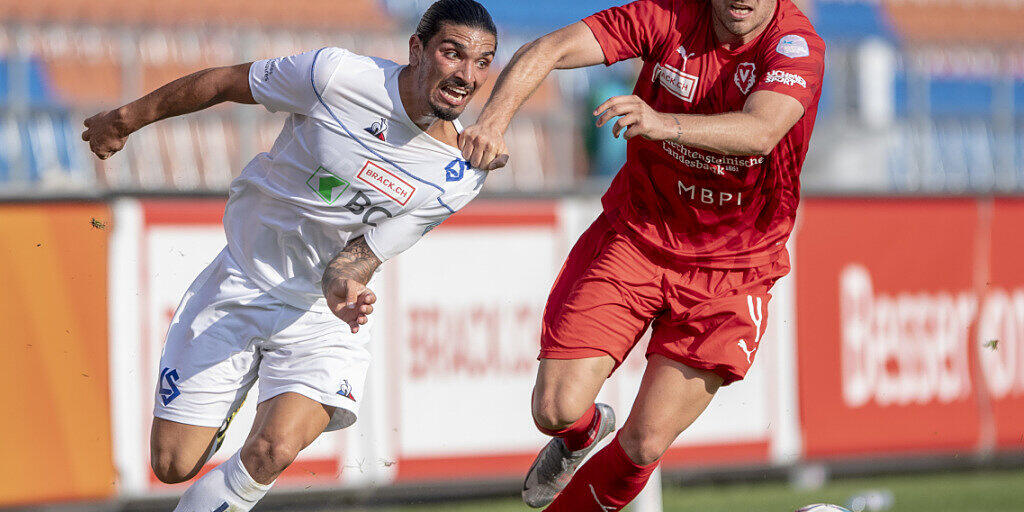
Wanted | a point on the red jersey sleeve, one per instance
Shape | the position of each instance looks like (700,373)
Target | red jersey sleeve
(632,30)
(794,65)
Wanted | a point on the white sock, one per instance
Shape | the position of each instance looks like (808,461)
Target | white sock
(226,488)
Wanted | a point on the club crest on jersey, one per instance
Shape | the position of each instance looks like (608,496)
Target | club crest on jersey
(326,185)
(455,170)
(379,129)
(168,385)
(745,76)
(679,83)
(346,390)
(793,46)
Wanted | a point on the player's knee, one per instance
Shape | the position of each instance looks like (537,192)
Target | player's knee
(643,446)
(170,467)
(555,413)
(269,454)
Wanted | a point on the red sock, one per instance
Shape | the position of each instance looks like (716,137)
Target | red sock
(609,479)
(579,435)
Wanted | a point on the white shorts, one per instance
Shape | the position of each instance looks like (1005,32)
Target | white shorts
(228,334)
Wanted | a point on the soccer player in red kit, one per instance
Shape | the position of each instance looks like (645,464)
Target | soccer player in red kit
(694,226)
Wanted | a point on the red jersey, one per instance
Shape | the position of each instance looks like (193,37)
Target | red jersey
(703,207)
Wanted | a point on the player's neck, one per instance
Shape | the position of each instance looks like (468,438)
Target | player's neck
(422,115)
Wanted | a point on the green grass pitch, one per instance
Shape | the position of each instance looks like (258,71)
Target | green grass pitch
(976,491)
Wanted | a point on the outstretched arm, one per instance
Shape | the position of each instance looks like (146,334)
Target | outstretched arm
(107,132)
(344,283)
(573,46)
(766,117)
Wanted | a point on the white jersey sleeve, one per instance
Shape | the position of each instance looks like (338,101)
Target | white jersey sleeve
(394,236)
(286,83)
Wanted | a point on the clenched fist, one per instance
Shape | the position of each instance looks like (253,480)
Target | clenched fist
(484,147)
(106,133)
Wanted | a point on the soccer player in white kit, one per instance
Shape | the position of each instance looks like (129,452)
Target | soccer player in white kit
(366,164)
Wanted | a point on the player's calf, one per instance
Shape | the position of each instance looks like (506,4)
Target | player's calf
(644,444)
(266,454)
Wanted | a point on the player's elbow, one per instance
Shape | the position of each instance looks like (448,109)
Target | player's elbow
(558,48)
(763,143)
(544,46)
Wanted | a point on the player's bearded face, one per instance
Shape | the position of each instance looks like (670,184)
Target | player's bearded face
(741,17)
(451,67)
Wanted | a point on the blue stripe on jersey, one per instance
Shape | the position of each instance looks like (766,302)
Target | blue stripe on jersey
(222,507)
(312,82)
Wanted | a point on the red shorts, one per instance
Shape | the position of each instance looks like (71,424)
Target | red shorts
(609,292)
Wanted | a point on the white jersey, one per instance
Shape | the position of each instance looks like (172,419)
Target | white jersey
(349,162)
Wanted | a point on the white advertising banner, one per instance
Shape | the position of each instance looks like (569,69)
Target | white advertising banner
(455,347)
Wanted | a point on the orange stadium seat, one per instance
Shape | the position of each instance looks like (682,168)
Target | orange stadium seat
(362,15)
(999,23)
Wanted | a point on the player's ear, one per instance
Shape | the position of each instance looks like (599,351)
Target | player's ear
(415,50)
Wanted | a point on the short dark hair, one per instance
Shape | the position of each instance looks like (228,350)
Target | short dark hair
(457,12)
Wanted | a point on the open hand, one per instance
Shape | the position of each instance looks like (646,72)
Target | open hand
(484,147)
(636,117)
(350,301)
(106,133)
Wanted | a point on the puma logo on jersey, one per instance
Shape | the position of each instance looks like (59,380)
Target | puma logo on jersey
(748,351)
(379,129)
(604,508)
(745,77)
(679,83)
(686,56)
(754,307)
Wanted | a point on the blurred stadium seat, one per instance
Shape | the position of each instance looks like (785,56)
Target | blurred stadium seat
(938,84)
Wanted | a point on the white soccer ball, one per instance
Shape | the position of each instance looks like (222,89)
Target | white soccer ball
(822,507)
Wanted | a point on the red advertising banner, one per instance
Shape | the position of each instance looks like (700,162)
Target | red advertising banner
(884,305)
(1000,331)
(910,317)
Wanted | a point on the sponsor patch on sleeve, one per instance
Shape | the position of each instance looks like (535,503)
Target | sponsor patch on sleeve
(782,77)
(793,46)
(269,67)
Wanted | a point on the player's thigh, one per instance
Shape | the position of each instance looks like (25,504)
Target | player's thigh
(602,301)
(288,422)
(672,395)
(313,354)
(566,388)
(717,319)
(207,366)
(178,451)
